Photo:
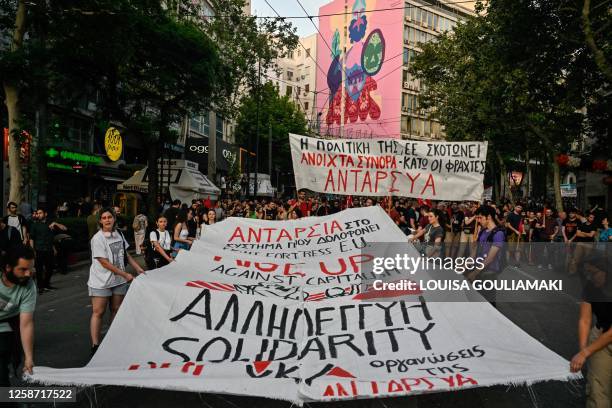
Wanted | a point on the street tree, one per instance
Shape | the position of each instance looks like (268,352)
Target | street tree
(278,116)
(247,45)
(150,67)
(512,76)
(13,51)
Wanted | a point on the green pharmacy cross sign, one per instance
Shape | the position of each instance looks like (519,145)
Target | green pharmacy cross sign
(81,158)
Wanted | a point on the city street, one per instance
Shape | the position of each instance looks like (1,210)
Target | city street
(62,340)
(257,149)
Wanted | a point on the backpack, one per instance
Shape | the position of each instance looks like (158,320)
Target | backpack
(22,223)
(149,251)
(501,260)
(125,254)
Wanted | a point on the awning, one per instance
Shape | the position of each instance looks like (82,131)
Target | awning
(186,182)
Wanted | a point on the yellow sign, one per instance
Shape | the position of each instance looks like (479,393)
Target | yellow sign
(113,144)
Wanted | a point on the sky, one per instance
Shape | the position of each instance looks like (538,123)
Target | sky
(291,8)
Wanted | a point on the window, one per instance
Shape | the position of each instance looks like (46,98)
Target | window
(429,19)
(405,124)
(200,124)
(416,126)
(78,134)
(290,75)
(299,91)
(299,53)
(289,90)
(435,130)
(418,15)
(435,22)
(219,126)
(308,52)
(307,88)
(306,106)
(290,55)
(406,56)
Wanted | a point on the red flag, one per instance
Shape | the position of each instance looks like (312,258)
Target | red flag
(208,203)
(422,202)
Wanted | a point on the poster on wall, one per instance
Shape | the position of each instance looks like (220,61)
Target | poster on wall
(371,53)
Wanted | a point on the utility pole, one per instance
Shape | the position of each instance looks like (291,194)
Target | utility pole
(270,149)
(257,130)
(343,62)
(212,147)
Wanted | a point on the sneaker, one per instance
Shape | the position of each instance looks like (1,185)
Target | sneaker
(94,348)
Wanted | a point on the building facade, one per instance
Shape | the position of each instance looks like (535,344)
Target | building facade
(423,22)
(364,89)
(295,76)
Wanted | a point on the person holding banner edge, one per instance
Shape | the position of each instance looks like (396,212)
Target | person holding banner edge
(108,278)
(595,340)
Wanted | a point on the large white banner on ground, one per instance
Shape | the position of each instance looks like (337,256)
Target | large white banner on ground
(383,167)
(302,329)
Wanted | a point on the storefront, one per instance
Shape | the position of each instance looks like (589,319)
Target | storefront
(196,150)
(185,182)
(84,161)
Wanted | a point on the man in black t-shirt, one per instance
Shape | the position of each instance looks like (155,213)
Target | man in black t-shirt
(456,223)
(570,226)
(513,231)
(270,211)
(323,208)
(586,231)
(513,222)
(584,238)
(10,239)
(171,214)
(400,207)
(467,229)
(411,216)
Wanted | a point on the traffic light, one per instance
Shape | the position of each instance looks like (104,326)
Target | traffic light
(56,131)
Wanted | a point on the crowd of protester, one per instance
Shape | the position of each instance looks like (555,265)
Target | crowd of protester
(505,234)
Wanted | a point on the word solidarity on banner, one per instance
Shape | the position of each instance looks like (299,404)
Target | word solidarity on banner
(228,317)
(383,167)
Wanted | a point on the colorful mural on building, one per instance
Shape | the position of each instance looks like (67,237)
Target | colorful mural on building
(372,68)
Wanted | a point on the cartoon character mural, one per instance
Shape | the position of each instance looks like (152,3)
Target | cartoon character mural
(363,62)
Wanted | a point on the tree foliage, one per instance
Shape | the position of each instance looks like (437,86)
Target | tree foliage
(150,63)
(276,112)
(515,76)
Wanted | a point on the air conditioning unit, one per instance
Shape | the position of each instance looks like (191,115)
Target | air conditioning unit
(406,84)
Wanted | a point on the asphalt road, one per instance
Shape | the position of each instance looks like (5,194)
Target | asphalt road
(62,340)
